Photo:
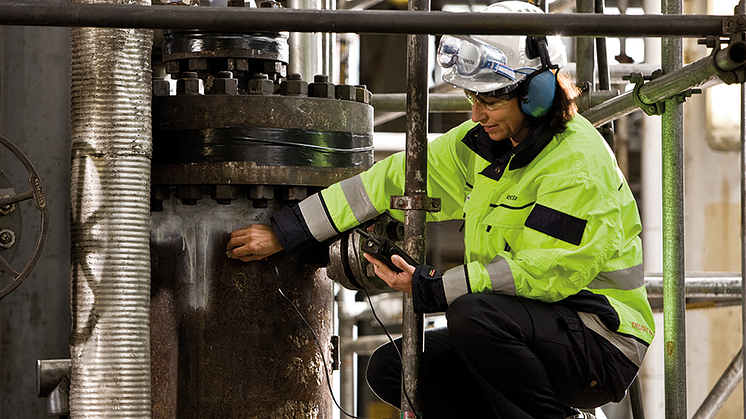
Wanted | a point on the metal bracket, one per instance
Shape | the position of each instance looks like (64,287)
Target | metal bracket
(734,24)
(415,202)
(650,109)
(683,96)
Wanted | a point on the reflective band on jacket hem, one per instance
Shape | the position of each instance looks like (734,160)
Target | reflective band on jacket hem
(631,348)
(317,218)
(623,279)
(455,283)
(358,199)
(501,277)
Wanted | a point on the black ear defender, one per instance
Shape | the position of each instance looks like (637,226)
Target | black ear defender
(539,87)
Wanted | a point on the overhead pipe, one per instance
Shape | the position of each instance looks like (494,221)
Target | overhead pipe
(358,21)
(671,83)
(109,226)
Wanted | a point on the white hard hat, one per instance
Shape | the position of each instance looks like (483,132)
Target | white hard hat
(496,63)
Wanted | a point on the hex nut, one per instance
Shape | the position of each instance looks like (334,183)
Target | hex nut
(224,194)
(276,67)
(161,87)
(7,238)
(294,86)
(7,209)
(188,85)
(322,88)
(261,192)
(261,85)
(197,64)
(346,92)
(191,192)
(172,67)
(225,84)
(362,94)
(295,193)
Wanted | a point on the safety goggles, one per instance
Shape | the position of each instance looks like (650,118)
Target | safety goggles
(490,102)
(473,58)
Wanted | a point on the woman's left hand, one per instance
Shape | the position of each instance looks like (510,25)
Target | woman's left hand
(401,281)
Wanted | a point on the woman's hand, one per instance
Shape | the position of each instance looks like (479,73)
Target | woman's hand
(401,281)
(253,242)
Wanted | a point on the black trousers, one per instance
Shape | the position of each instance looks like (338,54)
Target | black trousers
(503,357)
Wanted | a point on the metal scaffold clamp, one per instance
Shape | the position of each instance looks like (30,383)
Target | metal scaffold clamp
(638,79)
(419,202)
(728,61)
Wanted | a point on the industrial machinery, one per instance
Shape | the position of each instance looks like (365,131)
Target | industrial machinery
(235,138)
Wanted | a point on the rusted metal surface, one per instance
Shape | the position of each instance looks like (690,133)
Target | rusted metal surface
(225,343)
(275,111)
(250,173)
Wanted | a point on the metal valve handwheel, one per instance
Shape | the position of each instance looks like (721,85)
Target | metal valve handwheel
(37,194)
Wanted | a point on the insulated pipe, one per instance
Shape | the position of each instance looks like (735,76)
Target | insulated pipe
(358,21)
(671,83)
(109,226)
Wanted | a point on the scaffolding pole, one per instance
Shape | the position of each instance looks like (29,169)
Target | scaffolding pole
(674,298)
(672,82)
(414,199)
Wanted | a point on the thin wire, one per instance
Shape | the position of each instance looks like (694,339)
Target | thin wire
(276,278)
(380,323)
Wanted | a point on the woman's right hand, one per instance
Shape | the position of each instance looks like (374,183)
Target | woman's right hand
(253,242)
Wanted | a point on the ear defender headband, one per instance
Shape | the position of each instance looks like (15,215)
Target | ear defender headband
(539,87)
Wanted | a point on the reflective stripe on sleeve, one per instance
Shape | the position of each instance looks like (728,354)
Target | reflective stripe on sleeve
(317,218)
(623,279)
(358,199)
(501,277)
(455,283)
(633,349)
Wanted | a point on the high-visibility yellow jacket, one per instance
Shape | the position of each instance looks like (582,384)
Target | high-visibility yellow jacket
(552,220)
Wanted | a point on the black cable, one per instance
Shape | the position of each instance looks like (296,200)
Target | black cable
(276,278)
(391,339)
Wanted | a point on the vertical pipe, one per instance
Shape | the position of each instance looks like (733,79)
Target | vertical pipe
(110,219)
(305,47)
(414,221)
(651,163)
(585,53)
(674,319)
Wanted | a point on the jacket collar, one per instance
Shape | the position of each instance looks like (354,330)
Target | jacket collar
(499,153)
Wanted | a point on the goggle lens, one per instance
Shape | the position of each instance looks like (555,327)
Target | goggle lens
(472,57)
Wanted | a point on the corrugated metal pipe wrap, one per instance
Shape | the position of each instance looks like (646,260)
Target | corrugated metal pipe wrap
(110,216)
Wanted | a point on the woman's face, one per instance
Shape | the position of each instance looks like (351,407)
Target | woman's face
(505,121)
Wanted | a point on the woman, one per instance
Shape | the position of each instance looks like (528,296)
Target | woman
(549,311)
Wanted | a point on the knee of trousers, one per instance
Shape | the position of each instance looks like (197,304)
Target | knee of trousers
(384,374)
(472,315)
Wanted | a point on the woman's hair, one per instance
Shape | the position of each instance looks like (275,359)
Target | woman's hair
(563,108)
